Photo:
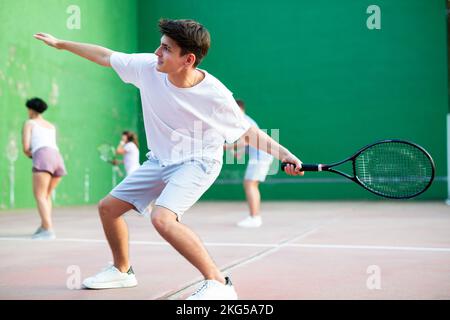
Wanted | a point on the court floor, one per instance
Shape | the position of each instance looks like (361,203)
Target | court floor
(304,250)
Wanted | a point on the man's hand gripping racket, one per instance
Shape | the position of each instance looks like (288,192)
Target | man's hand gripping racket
(292,165)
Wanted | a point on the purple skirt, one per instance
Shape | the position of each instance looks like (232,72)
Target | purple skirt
(49,160)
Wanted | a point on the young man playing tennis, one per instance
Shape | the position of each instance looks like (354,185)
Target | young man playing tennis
(188,115)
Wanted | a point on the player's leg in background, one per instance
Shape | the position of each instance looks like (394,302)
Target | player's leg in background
(54,181)
(253,197)
(41,184)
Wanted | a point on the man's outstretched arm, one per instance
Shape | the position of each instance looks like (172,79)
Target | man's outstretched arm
(258,139)
(94,53)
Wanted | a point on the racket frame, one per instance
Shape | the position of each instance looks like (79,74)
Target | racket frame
(354,178)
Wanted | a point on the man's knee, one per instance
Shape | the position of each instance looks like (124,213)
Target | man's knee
(162,218)
(111,207)
(105,209)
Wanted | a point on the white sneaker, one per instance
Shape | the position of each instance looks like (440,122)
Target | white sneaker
(214,290)
(43,234)
(110,277)
(250,222)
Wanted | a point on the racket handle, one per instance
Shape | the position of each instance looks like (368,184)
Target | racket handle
(305,167)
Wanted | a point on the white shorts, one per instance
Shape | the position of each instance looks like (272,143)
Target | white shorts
(257,171)
(176,187)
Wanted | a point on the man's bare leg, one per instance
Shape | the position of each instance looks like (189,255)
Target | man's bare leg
(186,242)
(111,210)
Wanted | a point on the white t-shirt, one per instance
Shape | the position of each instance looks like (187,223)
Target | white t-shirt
(255,155)
(131,157)
(181,123)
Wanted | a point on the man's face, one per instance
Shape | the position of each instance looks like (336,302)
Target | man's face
(169,58)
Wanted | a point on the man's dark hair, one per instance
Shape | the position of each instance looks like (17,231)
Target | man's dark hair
(241,104)
(190,35)
(37,105)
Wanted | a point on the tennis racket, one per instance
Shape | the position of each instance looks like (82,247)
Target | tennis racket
(390,168)
(107,153)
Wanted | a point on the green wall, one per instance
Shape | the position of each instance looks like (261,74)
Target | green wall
(88,103)
(311,69)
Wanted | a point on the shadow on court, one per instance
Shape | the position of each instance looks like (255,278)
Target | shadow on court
(304,250)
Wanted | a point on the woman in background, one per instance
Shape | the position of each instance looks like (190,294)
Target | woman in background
(39,144)
(129,148)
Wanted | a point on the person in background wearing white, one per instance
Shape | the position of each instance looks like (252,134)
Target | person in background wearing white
(259,163)
(129,148)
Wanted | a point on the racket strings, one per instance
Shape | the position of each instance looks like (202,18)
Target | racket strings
(106,152)
(394,169)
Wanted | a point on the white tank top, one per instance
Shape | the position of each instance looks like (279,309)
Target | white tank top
(42,137)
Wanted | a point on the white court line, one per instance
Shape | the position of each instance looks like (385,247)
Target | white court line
(151,243)
(394,248)
(254,245)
